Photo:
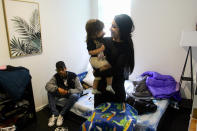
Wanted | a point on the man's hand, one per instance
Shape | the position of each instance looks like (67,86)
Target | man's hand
(62,91)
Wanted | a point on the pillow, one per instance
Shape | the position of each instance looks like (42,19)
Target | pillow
(82,75)
(89,78)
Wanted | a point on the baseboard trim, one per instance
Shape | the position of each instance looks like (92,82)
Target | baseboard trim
(41,107)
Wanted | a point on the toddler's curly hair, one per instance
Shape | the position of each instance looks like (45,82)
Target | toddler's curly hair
(93,26)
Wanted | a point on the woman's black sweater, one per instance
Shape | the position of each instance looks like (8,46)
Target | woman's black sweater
(118,55)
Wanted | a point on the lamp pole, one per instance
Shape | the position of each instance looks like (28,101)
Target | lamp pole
(189,52)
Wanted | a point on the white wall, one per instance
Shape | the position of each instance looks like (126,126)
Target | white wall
(156,39)
(157,35)
(94,9)
(63,38)
(158,31)
(158,27)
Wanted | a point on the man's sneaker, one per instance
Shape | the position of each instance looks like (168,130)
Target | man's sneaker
(110,89)
(52,120)
(95,91)
(60,120)
(9,128)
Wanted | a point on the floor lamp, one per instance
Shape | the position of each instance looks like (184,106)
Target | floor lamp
(188,39)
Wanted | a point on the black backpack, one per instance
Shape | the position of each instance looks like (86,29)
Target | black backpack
(141,105)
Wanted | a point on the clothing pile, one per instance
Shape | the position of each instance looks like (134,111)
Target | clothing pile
(149,86)
(156,85)
(141,89)
(162,86)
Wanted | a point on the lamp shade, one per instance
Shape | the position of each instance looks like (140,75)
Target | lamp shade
(189,38)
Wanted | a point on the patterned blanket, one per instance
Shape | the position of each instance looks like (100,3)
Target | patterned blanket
(111,117)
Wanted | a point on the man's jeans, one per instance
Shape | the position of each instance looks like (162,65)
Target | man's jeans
(67,103)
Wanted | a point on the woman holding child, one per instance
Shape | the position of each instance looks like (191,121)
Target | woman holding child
(119,53)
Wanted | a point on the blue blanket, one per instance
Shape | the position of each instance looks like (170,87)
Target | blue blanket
(110,117)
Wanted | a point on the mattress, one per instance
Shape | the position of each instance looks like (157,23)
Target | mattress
(85,105)
(150,121)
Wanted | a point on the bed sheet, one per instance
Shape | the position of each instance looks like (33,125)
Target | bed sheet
(85,105)
(150,121)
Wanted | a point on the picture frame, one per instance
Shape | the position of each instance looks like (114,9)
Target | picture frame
(23,27)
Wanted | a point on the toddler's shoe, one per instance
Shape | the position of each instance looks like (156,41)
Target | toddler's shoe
(95,91)
(110,89)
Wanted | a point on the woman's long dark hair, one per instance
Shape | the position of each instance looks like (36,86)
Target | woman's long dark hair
(126,27)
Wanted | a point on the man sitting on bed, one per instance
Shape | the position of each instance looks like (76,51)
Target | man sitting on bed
(63,84)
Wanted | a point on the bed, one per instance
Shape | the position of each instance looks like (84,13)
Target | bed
(85,105)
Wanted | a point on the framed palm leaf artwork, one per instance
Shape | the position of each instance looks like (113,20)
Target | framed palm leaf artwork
(22,20)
